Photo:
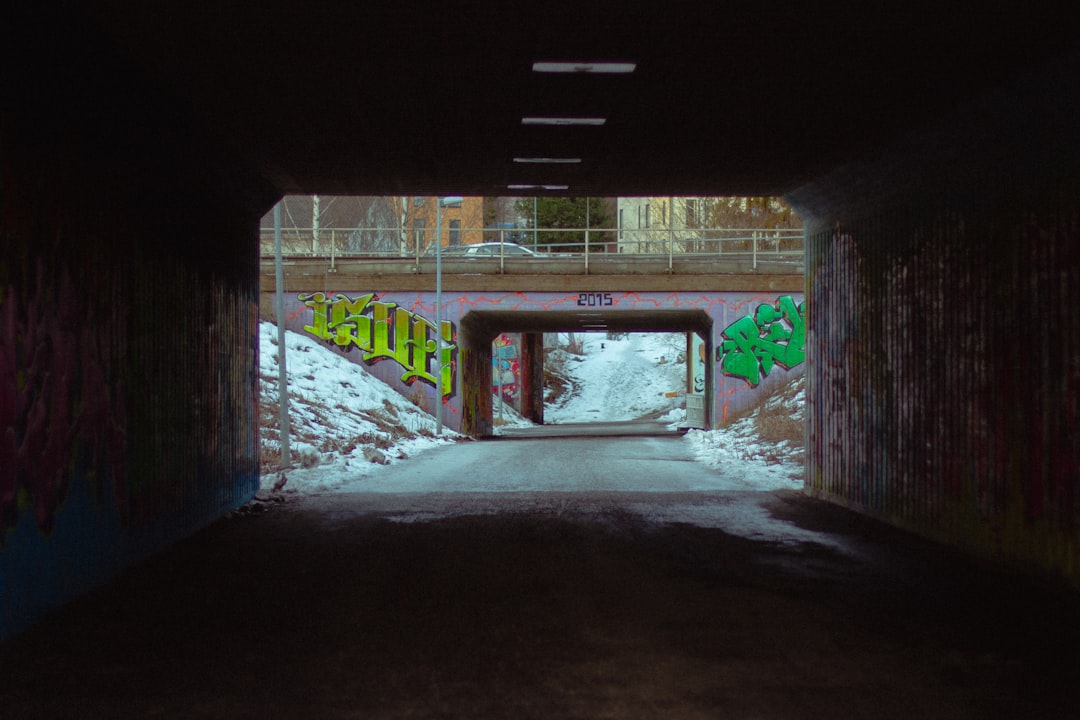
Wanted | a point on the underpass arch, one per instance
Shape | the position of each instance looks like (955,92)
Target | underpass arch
(479,328)
(924,256)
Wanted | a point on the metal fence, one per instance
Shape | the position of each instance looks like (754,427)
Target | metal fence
(785,245)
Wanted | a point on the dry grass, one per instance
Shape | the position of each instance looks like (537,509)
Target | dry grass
(776,427)
(555,381)
(779,417)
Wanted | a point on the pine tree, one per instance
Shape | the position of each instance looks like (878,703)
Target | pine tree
(562,221)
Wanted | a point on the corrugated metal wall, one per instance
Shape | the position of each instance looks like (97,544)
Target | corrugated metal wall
(128,334)
(128,411)
(943,358)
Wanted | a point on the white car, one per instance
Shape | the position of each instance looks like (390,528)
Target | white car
(495,248)
(489,249)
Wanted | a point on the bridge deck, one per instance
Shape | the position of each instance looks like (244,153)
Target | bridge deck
(603,272)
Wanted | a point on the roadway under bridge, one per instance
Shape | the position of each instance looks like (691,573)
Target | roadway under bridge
(933,157)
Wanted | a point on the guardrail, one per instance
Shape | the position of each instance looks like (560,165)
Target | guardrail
(585,244)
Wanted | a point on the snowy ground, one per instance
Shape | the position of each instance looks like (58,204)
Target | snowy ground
(638,375)
(347,425)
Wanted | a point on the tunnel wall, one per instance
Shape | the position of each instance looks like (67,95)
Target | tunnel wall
(128,320)
(943,352)
(387,332)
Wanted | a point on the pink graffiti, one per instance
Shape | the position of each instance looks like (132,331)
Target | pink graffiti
(58,410)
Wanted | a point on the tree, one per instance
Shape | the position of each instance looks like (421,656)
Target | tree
(770,213)
(566,220)
(377,230)
(694,224)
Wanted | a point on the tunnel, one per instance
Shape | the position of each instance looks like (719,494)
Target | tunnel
(935,159)
(480,327)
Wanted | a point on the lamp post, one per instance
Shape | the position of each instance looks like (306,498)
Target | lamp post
(283,376)
(452,201)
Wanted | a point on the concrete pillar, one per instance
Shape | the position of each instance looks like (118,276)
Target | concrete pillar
(476,379)
(532,377)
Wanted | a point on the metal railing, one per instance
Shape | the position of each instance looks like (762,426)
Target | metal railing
(582,244)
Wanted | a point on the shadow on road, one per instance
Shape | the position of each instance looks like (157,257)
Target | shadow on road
(555,612)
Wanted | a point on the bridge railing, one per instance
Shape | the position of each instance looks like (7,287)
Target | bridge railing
(585,245)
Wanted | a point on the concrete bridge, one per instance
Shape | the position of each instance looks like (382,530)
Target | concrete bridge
(379,309)
(935,159)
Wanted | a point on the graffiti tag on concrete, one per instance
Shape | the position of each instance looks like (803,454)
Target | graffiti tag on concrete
(775,334)
(383,331)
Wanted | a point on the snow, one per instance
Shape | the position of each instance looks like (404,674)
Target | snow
(337,411)
(632,377)
(622,379)
(348,426)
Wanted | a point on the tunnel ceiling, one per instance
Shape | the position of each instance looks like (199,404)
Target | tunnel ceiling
(736,98)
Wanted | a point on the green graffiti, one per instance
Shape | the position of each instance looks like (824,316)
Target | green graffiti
(775,334)
(383,331)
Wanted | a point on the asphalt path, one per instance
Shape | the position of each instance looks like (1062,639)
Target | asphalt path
(621,428)
(554,578)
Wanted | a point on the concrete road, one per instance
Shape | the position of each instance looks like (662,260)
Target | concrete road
(634,594)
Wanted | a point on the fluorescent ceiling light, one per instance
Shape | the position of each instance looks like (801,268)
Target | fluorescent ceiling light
(537,187)
(608,68)
(548,160)
(563,120)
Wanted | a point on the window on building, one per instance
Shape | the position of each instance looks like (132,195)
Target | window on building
(455,232)
(648,222)
(621,223)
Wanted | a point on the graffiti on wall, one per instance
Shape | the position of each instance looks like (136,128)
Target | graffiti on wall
(61,406)
(505,368)
(773,335)
(383,331)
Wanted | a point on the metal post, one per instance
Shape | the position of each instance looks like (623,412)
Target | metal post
(403,229)
(333,247)
(535,227)
(671,231)
(438,317)
(283,377)
(416,238)
(586,235)
(315,225)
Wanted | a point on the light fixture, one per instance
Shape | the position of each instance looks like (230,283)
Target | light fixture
(537,187)
(548,160)
(543,120)
(604,68)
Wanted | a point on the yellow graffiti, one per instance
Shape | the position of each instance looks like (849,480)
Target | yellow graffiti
(383,331)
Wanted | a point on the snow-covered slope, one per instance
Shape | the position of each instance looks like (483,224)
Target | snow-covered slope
(345,423)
